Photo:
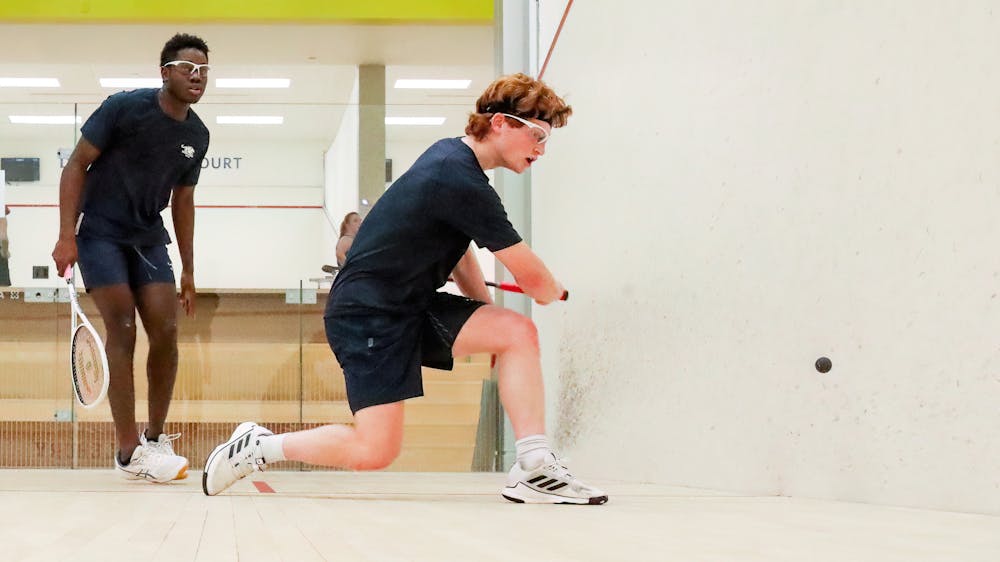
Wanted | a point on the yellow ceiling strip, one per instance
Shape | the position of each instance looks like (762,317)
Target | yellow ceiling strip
(222,11)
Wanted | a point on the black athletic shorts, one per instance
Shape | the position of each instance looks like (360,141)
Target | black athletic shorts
(381,355)
(104,263)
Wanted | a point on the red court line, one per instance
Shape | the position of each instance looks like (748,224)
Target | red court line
(262,487)
(27,205)
(555,38)
(258,206)
(47,205)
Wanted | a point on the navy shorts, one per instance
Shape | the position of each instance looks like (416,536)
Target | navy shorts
(105,263)
(381,355)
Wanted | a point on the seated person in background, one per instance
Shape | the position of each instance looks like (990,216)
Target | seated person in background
(348,229)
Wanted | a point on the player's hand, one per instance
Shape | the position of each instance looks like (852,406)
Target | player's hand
(186,298)
(64,254)
(552,296)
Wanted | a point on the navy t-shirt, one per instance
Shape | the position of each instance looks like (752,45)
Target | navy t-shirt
(145,154)
(417,232)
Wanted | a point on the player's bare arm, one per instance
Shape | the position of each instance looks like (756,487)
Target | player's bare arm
(530,273)
(469,278)
(182,210)
(70,194)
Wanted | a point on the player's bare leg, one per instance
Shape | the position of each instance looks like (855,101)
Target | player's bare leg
(157,305)
(514,339)
(371,443)
(117,307)
(537,475)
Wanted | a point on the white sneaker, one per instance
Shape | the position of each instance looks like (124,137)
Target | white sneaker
(549,483)
(163,446)
(148,464)
(234,459)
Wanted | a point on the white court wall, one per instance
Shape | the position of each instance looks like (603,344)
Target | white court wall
(241,241)
(773,182)
(549,13)
(342,167)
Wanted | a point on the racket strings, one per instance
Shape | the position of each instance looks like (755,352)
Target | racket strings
(88,367)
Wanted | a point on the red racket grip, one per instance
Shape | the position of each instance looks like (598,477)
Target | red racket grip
(507,287)
(515,289)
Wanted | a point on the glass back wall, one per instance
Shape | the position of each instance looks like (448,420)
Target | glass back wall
(256,349)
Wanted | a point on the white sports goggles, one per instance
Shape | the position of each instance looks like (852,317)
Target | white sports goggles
(540,137)
(188,68)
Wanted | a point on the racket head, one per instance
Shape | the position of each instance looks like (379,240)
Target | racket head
(88,366)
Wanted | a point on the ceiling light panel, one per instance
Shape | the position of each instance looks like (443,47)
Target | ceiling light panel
(253,83)
(29,82)
(414,120)
(407,84)
(44,119)
(249,119)
(131,82)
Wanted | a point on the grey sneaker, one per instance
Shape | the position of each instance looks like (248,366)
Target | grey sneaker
(234,459)
(549,483)
(148,464)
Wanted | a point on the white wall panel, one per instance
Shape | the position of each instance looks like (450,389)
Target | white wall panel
(745,187)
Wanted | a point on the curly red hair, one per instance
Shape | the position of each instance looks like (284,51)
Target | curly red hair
(521,95)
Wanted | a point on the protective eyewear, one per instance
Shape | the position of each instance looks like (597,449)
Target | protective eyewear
(188,68)
(540,136)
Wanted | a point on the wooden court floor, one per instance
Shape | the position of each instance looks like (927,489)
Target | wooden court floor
(93,515)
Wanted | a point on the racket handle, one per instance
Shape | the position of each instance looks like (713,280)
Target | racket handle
(68,272)
(515,289)
(510,287)
(507,287)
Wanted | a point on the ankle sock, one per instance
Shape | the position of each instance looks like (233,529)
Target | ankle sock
(272,448)
(531,451)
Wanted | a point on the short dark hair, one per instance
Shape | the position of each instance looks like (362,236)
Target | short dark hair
(180,42)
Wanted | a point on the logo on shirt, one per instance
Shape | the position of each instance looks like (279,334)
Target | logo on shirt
(187,151)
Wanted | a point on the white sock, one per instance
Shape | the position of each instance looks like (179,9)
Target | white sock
(531,451)
(272,448)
